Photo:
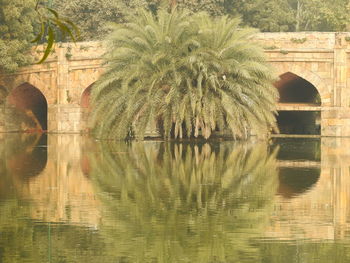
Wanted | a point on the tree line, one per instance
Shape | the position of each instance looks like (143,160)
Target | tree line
(266,15)
(19,22)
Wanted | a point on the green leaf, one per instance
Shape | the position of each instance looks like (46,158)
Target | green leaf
(53,12)
(64,29)
(75,28)
(50,42)
(40,35)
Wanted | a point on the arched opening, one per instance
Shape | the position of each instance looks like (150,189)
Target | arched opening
(85,98)
(299,106)
(27,109)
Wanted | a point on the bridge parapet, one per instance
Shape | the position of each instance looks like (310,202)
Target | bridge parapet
(307,41)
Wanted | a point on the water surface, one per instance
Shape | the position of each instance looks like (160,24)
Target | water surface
(69,198)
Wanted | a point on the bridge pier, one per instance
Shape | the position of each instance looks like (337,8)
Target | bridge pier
(335,121)
(65,118)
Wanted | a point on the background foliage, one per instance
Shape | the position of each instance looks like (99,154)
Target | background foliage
(16,32)
(266,15)
(17,18)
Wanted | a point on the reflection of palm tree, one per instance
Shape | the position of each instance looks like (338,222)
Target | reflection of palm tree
(184,203)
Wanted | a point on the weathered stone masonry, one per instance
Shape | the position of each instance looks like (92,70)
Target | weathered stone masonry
(322,59)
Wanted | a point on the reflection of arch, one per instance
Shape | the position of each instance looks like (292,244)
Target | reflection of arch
(27,159)
(298,105)
(292,149)
(296,181)
(29,107)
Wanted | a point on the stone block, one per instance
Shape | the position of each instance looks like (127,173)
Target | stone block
(329,114)
(74,116)
(328,130)
(333,122)
(314,67)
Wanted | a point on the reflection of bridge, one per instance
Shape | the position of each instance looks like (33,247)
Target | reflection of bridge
(323,211)
(55,180)
(63,191)
(313,78)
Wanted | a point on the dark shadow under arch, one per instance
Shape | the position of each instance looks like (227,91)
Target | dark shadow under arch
(28,108)
(85,104)
(85,100)
(294,89)
(298,93)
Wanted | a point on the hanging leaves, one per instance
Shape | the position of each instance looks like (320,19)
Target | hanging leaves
(53,28)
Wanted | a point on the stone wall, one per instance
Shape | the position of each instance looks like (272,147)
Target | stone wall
(323,60)
(320,58)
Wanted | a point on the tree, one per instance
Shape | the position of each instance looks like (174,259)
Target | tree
(267,15)
(317,15)
(16,32)
(52,27)
(92,16)
(212,7)
(18,19)
(189,74)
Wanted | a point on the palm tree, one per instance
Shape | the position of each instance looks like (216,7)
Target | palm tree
(190,75)
(166,202)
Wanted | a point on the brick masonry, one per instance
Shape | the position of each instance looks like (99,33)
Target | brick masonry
(321,58)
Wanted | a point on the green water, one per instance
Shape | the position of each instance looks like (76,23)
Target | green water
(68,198)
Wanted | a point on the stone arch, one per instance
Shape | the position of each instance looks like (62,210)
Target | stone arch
(85,105)
(300,101)
(85,97)
(312,78)
(26,109)
(34,80)
(295,89)
(82,80)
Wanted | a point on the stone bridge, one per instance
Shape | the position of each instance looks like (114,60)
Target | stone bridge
(314,85)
